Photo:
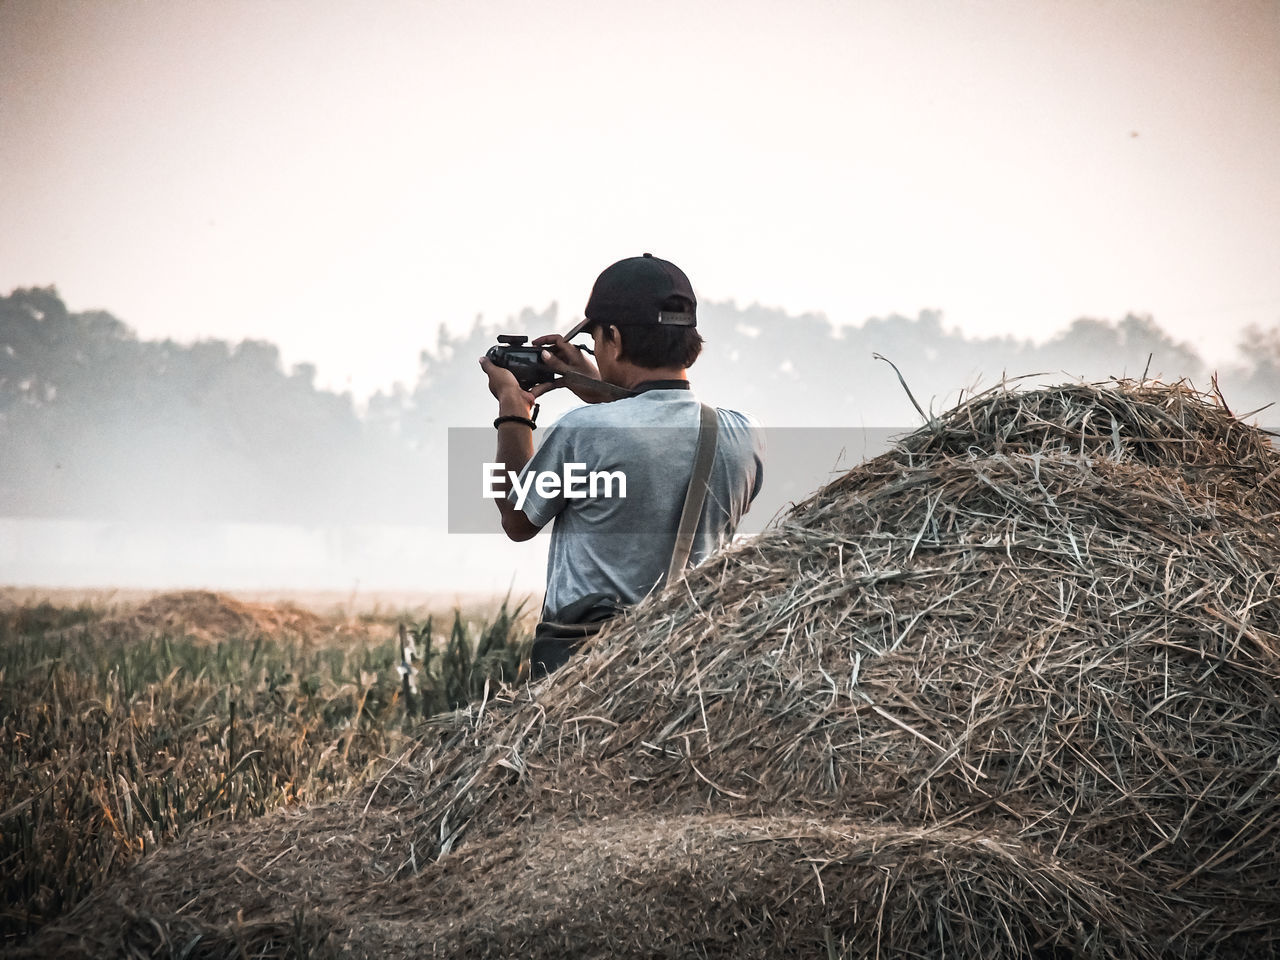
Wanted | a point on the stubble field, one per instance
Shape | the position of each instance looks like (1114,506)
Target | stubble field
(127,720)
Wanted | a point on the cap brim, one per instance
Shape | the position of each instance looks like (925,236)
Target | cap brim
(582,325)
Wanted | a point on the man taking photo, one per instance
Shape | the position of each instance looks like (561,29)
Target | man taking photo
(642,425)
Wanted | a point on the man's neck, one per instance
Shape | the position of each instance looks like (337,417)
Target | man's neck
(631,376)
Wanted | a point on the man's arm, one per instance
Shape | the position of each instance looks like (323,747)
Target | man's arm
(515,445)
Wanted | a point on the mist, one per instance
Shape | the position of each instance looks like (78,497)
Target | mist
(140,463)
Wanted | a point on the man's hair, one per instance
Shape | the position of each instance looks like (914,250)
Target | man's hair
(657,346)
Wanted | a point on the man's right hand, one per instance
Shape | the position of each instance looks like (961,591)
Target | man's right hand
(560,355)
(512,399)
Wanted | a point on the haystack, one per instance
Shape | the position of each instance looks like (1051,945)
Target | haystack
(1009,690)
(214,617)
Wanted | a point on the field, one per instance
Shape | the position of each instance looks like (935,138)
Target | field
(127,721)
(1007,691)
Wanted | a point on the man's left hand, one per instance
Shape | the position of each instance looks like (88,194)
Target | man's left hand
(561,356)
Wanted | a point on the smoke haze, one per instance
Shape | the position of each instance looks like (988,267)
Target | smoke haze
(147,463)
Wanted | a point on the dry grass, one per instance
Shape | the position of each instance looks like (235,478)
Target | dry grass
(123,729)
(1010,690)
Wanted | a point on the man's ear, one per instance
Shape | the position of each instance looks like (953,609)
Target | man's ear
(614,335)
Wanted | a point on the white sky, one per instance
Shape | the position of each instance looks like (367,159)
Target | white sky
(342,177)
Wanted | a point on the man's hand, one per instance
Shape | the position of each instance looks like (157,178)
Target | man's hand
(563,357)
(512,400)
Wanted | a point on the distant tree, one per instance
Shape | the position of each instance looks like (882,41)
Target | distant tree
(96,423)
(1099,349)
(1253,384)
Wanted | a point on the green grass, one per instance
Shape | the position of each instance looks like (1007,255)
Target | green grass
(470,658)
(113,743)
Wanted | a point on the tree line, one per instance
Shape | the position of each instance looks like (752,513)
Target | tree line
(96,423)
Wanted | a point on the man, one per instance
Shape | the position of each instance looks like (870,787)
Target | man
(608,550)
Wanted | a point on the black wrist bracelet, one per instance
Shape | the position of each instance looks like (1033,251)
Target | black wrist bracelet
(513,419)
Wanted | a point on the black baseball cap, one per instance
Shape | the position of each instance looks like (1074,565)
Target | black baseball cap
(631,293)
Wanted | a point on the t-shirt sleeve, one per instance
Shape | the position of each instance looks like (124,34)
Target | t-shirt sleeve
(758,449)
(748,436)
(554,452)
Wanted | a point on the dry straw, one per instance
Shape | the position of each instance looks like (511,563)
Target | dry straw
(1009,690)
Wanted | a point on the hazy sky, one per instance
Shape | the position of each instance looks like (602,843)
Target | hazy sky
(342,177)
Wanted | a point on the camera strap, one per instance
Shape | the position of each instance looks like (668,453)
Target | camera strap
(696,494)
(573,379)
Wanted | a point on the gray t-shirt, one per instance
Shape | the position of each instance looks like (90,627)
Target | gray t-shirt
(606,543)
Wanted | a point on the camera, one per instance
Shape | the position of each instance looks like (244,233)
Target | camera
(525,362)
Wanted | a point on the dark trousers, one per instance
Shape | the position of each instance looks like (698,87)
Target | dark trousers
(559,637)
